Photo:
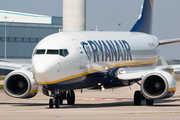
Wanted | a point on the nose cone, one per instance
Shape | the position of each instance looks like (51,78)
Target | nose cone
(45,68)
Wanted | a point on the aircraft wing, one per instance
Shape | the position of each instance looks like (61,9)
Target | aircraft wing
(10,65)
(136,74)
(168,41)
(176,68)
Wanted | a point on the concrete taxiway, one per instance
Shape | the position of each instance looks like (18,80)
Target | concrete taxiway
(91,105)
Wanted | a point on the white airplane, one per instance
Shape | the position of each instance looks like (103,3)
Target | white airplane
(66,61)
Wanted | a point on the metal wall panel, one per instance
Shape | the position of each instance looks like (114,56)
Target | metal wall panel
(23,37)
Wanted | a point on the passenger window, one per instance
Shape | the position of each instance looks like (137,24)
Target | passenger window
(63,52)
(54,52)
(42,51)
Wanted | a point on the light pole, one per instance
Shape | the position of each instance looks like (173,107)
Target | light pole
(5,38)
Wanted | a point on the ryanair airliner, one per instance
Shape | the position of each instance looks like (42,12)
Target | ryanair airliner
(66,61)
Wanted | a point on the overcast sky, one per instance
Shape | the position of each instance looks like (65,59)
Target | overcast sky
(106,14)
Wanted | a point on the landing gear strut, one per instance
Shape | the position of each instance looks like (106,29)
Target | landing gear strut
(138,97)
(58,97)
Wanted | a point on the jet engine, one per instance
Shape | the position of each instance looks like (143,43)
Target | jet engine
(20,84)
(158,85)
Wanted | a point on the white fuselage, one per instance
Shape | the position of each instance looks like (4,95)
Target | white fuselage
(69,57)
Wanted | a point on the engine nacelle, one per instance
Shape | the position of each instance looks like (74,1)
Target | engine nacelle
(20,84)
(158,85)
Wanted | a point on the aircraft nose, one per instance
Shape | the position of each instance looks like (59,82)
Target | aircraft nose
(45,68)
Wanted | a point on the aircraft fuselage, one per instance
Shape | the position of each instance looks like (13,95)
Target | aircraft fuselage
(75,60)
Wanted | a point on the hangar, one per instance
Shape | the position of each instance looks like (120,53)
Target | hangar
(22,31)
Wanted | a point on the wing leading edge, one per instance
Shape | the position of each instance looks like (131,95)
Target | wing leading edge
(139,73)
(10,65)
(168,41)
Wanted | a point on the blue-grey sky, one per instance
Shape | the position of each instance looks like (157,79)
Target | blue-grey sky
(106,14)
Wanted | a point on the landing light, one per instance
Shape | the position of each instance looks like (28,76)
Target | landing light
(106,67)
(102,88)
(122,72)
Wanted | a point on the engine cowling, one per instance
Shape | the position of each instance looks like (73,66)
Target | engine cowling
(20,84)
(158,85)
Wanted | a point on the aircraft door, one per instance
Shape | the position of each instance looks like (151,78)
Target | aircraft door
(81,54)
(82,60)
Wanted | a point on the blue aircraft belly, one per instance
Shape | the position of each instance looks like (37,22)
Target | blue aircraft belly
(107,79)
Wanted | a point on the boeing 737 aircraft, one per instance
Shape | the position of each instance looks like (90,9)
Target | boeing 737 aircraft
(66,61)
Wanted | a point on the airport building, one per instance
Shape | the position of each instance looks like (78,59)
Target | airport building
(23,31)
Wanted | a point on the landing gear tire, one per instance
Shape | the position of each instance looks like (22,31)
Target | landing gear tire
(51,105)
(57,102)
(71,97)
(149,102)
(61,100)
(137,98)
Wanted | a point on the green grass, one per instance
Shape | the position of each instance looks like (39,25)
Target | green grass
(1,86)
(2,77)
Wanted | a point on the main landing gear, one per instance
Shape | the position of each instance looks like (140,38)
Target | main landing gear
(58,98)
(138,98)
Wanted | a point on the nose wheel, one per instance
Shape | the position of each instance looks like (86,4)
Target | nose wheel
(54,102)
(57,100)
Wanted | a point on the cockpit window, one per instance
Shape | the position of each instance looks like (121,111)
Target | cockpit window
(54,52)
(40,51)
(63,52)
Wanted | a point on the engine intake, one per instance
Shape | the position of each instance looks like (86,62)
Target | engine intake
(156,85)
(20,84)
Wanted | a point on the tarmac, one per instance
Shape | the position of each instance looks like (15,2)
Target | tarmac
(110,104)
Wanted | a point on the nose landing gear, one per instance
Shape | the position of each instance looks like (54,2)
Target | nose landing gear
(55,101)
(58,97)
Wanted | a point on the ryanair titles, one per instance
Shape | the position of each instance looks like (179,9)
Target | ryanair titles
(107,50)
